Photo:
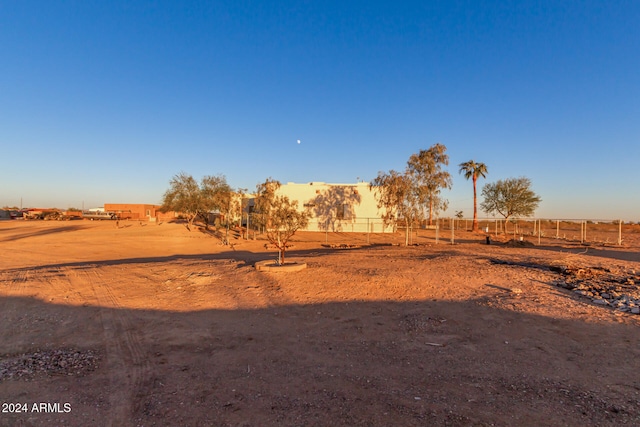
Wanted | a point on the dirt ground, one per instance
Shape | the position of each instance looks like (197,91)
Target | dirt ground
(153,325)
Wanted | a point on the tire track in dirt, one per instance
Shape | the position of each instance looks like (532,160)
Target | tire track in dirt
(17,282)
(59,286)
(126,357)
(15,285)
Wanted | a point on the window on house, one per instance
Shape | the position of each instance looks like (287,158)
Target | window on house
(343,212)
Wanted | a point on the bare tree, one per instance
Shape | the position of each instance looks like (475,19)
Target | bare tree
(278,215)
(510,197)
(473,170)
(425,169)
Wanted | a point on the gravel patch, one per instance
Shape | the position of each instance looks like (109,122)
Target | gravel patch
(69,362)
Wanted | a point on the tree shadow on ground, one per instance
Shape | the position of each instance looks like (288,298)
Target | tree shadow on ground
(248,257)
(41,232)
(618,253)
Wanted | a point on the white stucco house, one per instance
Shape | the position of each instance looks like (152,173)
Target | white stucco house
(338,207)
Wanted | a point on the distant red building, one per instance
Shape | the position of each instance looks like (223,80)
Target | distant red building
(139,211)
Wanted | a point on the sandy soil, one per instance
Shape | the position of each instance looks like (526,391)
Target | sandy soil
(152,325)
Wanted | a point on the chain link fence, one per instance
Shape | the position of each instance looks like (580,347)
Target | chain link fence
(447,230)
(584,231)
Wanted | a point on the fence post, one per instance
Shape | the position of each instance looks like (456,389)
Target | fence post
(619,232)
(368,231)
(539,232)
(411,231)
(326,231)
(437,230)
(557,229)
(452,232)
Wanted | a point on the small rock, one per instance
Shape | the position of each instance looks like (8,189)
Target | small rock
(599,301)
(635,310)
(605,295)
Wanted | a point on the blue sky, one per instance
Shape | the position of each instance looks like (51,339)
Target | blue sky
(106,101)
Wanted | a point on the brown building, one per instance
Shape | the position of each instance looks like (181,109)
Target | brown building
(138,211)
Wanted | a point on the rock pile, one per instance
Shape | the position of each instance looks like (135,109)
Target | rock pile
(48,362)
(620,291)
(340,246)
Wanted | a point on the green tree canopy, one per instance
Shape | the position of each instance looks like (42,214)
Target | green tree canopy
(219,196)
(183,196)
(510,197)
(195,200)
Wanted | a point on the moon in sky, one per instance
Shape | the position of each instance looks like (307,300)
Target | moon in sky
(298,141)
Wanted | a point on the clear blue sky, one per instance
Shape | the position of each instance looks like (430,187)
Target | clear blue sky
(105,101)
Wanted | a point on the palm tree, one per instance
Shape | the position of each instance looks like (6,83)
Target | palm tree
(473,170)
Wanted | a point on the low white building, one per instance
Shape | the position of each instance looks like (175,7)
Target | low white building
(338,207)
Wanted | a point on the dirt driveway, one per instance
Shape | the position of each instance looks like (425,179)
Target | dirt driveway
(151,325)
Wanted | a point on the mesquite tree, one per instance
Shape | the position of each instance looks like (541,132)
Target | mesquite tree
(194,200)
(183,196)
(510,197)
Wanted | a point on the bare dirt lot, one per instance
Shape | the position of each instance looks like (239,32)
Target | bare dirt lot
(152,325)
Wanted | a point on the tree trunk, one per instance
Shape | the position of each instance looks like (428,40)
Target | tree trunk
(406,234)
(281,247)
(475,204)
(430,210)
